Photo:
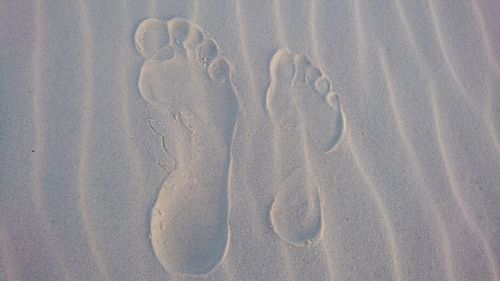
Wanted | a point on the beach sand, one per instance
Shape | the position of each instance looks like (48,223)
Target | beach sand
(250,140)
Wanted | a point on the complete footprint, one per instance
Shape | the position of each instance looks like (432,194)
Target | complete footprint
(187,83)
(308,122)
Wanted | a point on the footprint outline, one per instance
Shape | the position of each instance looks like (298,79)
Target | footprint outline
(293,75)
(162,42)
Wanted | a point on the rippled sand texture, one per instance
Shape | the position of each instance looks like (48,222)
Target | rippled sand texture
(249,140)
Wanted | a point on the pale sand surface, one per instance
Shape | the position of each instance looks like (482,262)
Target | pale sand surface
(250,140)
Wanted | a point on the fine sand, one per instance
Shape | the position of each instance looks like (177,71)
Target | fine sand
(250,140)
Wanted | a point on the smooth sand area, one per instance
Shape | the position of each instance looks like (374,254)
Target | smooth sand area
(249,140)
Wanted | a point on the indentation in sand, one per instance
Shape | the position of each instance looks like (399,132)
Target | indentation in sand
(187,83)
(308,122)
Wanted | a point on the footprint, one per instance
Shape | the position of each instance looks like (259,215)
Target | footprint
(309,122)
(187,82)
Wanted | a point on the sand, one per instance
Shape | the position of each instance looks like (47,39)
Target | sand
(250,140)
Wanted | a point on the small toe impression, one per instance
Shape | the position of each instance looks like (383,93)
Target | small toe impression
(312,74)
(282,66)
(219,70)
(151,35)
(207,51)
(184,33)
(323,85)
(178,30)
